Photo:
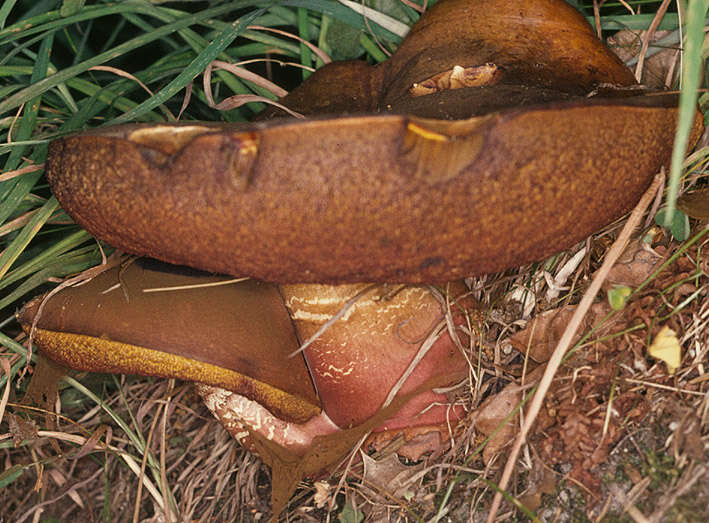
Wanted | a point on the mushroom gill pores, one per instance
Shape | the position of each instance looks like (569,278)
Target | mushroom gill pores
(486,154)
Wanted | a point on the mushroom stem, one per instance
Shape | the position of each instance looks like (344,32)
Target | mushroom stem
(243,417)
(357,361)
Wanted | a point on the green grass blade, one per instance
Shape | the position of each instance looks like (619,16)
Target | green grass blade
(305,54)
(29,116)
(47,257)
(13,251)
(197,66)
(692,66)
(61,268)
(62,76)
(10,475)
(5,9)
(52,20)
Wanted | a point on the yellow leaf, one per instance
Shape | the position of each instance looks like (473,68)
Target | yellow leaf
(666,347)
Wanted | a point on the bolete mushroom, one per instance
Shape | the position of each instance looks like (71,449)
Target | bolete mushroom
(433,188)
(151,318)
(474,148)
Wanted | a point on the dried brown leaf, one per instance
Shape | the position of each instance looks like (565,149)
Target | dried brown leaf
(637,262)
(20,429)
(659,68)
(695,204)
(388,474)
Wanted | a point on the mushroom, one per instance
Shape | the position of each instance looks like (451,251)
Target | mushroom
(433,188)
(142,318)
(480,150)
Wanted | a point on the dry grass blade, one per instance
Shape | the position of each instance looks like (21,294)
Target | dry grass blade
(6,394)
(239,72)
(383,20)
(127,458)
(196,286)
(248,75)
(315,49)
(685,484)
(648,38)
(239,100)
(565,341)
(19,172)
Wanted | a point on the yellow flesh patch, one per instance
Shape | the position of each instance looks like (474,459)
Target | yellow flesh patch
(94,354)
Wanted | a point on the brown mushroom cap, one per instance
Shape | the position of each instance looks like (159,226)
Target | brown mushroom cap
(235,336)
(545,46)
(368,198)
(536,42)
(391,198)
